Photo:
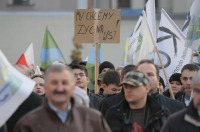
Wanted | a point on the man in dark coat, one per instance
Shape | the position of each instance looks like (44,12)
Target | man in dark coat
(82,80)
(152,71)
(59,112)
(112,100)
(187,73)
(138,112)
(187,120)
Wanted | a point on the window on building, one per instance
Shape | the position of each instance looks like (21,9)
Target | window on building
(20,2)
(124,3)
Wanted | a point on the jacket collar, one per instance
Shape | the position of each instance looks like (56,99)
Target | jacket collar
(152,110)
(192,115)
(53,114)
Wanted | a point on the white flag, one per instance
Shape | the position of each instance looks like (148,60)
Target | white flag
(192,27)
(170,43)
(145,42)
(151,16)
(37,71)
(151,19)
(14,89)
(133,42)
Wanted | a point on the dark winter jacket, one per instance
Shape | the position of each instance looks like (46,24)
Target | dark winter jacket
(3,129)
(170,104)
(154,117)
(95,100)
(110,101)
(32,102)
(181,98)
(187,120)
(80,119)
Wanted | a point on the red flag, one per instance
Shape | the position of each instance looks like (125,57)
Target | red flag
(27,58)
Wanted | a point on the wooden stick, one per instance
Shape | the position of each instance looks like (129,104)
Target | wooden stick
(96,68)
(192,58)
(197,53)
(170,89)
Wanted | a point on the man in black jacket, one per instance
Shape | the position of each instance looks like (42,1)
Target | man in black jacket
(152,72)
(187,73)
(138,112)
(82,80)
(112,100)
(187,120)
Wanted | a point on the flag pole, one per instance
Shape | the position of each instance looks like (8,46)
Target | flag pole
(155,49)
(96,68)
(192,59)
(198,53)
(170,88)
(96,38)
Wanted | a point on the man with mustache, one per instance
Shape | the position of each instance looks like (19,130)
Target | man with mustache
(187,120)
(59,112)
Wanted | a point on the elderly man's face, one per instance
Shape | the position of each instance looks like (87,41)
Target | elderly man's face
(59,87)
(196,97)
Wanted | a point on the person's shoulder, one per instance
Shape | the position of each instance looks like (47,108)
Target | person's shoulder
(172,101)
(118,108)
(87,111)
(34,99)
(113,97)
(174,122)
(95,96)
(177,116)
(32,116)
(35,113)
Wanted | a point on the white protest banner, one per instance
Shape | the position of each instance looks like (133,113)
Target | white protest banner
(170,43)
(145,42)
(151,20)
(97,25)
(14,89)
(192,27)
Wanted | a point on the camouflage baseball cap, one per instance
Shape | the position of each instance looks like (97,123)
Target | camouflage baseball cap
(135,78)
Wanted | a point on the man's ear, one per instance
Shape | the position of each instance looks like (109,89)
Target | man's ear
(88,79)
(148,87)
(104,86)
(181,80)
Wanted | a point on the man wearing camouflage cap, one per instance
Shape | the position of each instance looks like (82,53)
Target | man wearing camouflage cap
(138,112)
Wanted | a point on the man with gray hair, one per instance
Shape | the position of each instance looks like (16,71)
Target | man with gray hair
(59,112)
(187,120)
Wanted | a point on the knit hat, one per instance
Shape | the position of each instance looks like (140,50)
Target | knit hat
(175,77)
(135,78)
(162,82)
(106,64)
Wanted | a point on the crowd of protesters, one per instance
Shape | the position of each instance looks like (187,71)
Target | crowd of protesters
(129,99)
